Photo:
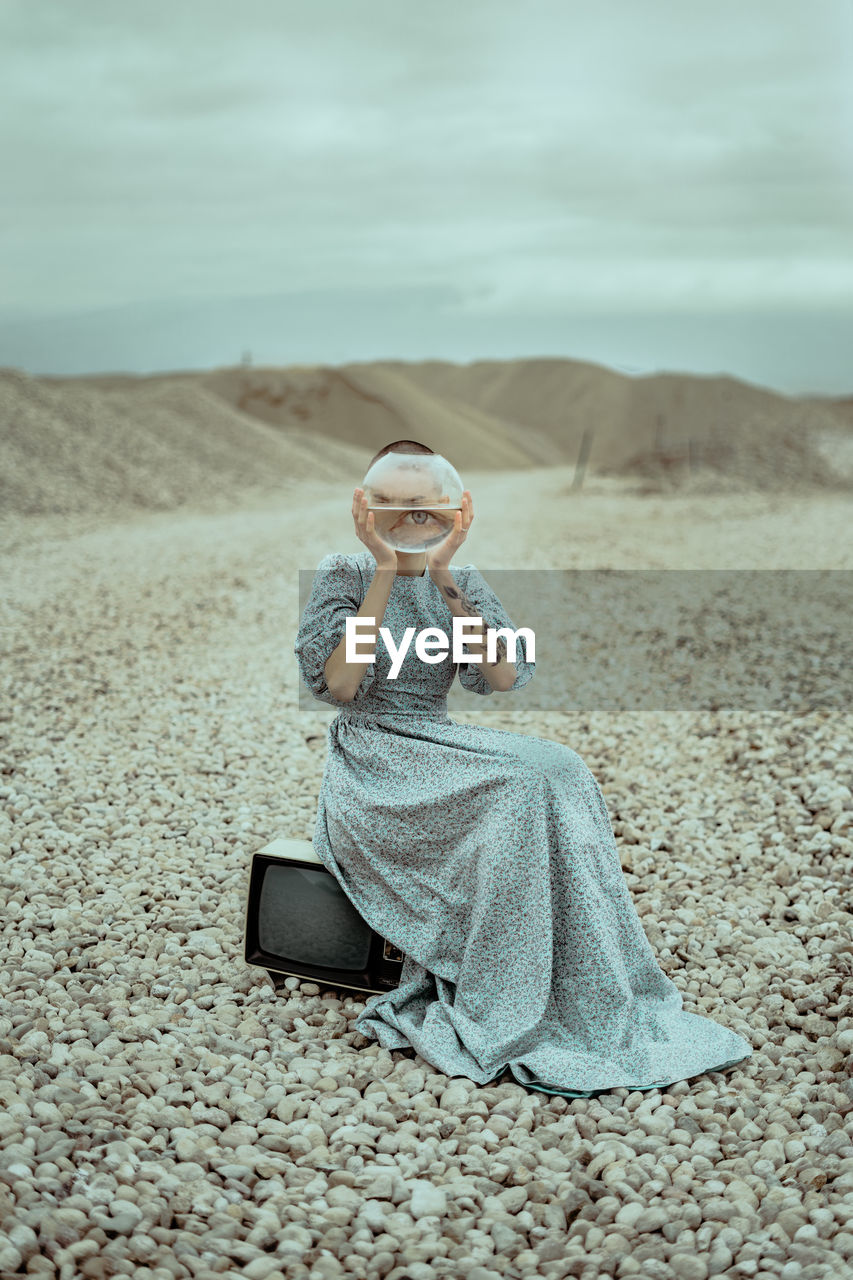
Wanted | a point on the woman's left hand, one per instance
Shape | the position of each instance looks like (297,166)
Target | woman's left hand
(441,556)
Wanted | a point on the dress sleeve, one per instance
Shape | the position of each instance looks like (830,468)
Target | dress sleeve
(493,614)
(336,594)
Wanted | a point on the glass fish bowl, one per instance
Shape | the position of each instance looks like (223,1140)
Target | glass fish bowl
(414,498)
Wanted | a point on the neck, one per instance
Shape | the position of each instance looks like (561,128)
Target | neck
(411,565)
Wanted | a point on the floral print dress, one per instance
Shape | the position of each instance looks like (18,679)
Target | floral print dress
(488,859)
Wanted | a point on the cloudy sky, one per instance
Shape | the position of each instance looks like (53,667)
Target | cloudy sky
(642,184)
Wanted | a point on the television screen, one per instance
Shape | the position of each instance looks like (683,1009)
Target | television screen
(304,915)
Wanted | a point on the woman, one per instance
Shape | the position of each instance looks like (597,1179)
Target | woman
(486,857)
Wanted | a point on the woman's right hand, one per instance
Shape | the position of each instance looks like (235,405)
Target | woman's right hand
(385,556)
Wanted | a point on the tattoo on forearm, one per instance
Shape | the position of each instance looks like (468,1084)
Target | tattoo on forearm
(473,612)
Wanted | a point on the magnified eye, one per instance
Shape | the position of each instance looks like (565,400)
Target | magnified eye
(437,519)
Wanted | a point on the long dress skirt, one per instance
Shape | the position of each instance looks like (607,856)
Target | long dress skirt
(488,859)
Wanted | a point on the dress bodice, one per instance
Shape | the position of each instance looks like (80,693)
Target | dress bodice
(415,604)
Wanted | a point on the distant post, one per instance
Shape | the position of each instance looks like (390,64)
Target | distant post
(583,454)
(247,359)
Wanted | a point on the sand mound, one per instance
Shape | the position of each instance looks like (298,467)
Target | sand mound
(215,439)
(668,430)
(370,405)
(158,445)
(765,454)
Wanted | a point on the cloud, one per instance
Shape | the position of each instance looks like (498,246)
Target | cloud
(617,156)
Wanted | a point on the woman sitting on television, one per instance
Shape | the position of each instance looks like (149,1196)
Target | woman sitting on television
(487,857)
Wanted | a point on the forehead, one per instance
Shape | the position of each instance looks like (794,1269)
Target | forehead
(410,479)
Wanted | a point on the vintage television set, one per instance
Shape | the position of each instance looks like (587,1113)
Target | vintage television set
(300,923)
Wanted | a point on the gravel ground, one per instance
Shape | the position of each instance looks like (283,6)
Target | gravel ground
(167,1113)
